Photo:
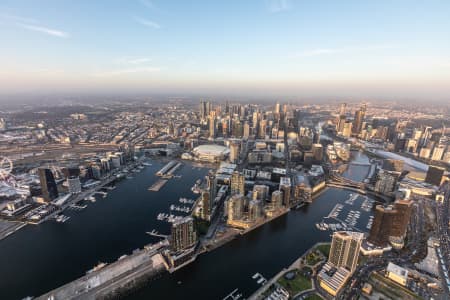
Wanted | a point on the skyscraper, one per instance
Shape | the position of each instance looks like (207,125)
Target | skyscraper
(347,129)
(285,187)
(235,207)
(237,183)
(183,235)
(342,261)
(344,250)
(206,206)
(212,186)
(48,184)
(255,209)
(234,152)
(212,126)
(277,199)
(246,133)
(205,109)
(358,121)
(390,224)
(260,192)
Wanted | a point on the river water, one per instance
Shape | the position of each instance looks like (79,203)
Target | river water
(40,258)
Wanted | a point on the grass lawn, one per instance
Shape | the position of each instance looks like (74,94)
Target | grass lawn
(297,284)
(314,297)
(312,258)
(325,249)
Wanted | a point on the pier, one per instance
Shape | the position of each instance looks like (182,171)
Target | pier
(156,233)
(157,185)
(110,280)
(166,168)
(170,173)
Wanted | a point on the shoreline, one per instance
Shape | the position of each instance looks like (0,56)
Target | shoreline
(256,294)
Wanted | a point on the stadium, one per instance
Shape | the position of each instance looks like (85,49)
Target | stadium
(210,153)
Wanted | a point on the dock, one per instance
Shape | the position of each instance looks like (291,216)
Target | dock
(156,233)
(109,281)
(166,168)
(158,185)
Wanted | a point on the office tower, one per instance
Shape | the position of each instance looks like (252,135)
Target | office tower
(358,121)
(438,152)
(340,124)
(246,133)
(285,187)
(386,181)
(347,129)
(74,185)
(260,192)
(434,175)
(237,129)
(277,199)
(342,109)
(48,184)
(234,152)
(183,235)
(202,109)
(262,129)
(212,126)
(236,207)
(390,224)
(255,119)
(205,109)
(237,183)
(344,251)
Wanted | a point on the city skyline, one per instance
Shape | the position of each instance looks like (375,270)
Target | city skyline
(393,50)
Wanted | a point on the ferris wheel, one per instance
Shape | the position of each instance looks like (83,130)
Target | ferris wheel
(6,167)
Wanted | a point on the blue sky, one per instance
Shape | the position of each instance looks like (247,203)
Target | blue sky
(279,47)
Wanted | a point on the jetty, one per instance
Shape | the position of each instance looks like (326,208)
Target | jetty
(158,185)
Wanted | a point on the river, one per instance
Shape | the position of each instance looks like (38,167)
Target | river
(40,258)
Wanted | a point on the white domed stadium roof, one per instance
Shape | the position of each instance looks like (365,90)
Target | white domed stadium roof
(213,150)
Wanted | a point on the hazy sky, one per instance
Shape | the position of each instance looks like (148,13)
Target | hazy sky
(267,47)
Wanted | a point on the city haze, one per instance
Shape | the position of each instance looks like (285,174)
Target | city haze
(291,49)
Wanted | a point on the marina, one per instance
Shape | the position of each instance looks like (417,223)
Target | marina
(61,218)
(131,235)
(103,194)
(168,218)
(184,209)
(351,199)
(77,207)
